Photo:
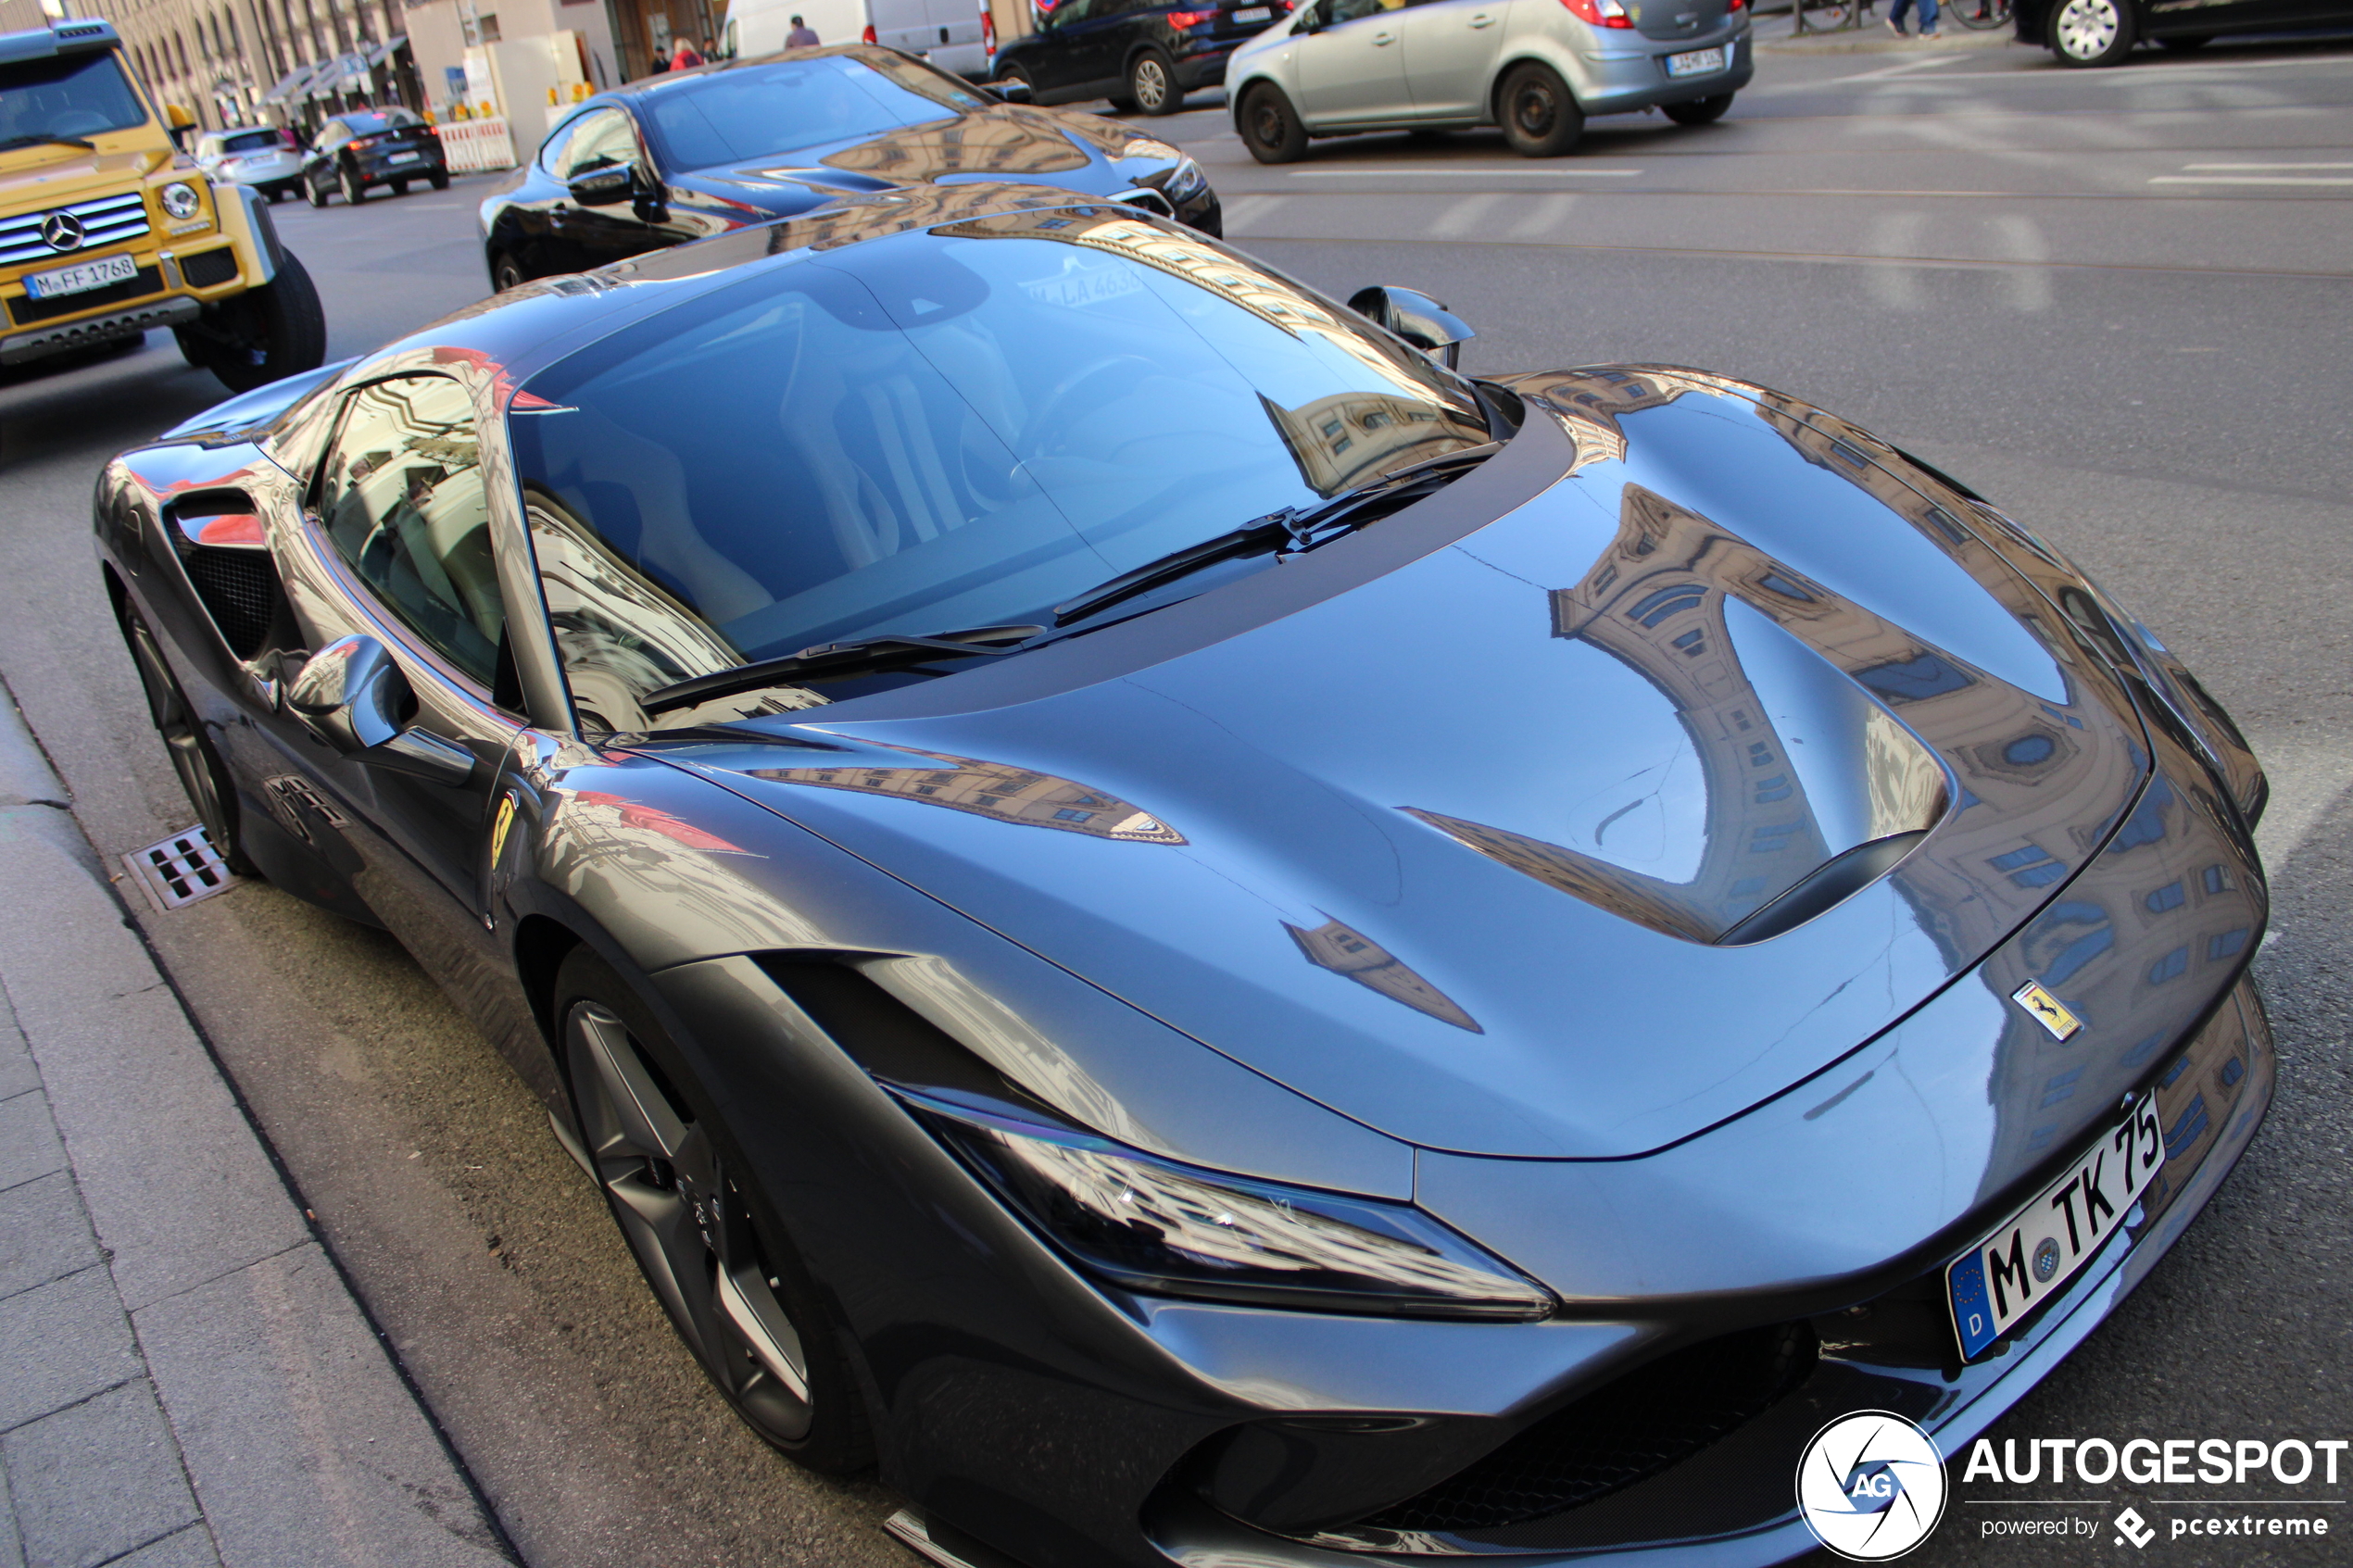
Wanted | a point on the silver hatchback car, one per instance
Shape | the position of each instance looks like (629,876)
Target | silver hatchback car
(1536,68)
(259,155)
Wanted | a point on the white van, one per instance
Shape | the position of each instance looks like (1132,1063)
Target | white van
(946,33)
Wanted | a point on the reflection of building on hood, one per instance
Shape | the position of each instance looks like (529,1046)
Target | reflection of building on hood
(994,790)
(1352,954)
(996,143)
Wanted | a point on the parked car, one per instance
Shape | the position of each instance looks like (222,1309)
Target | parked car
(1218,942)
(685,155)
(354,153)
(1139,54)
(260,156)
(951,34)
(2100,32)
(1536,68)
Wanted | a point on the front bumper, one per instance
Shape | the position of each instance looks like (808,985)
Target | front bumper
(173,284)
(378,171)
(1620,78)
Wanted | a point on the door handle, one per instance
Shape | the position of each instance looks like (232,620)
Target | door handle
(1383,39)
(1482,19)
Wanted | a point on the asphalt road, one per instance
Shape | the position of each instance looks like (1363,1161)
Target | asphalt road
(2035,279)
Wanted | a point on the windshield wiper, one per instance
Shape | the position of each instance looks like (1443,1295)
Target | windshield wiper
(860,656)
(43,141)
(1292,528)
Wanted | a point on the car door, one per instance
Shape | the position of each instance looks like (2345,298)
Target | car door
(1450,48)
(594,234)
(319,164)
(402,573)
(1086,39)
(1350,67)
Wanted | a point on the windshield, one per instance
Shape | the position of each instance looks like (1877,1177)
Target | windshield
(391,120)
(250,142)
(749,112)
(67,95)
(942,430)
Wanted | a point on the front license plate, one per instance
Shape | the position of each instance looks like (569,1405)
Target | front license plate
(1255,14)
(1699,62)
(2031,1256)
(80,280)
(404,157)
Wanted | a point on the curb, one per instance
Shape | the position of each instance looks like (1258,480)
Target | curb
(298,1436)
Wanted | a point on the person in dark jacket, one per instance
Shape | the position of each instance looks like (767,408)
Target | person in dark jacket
(802,36)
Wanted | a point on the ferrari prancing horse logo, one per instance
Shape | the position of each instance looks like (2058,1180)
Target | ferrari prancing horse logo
(2046,1010)
(498,829)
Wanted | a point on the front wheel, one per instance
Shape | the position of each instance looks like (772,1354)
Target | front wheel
(736,1291)
(506,273)
(1152,82)
(202,775)
(313,192)
(355,190)
(2092,33)
(1270,126)
(1699,112)
(264,335)
(1540,115)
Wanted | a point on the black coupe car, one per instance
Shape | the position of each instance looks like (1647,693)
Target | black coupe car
(686,154)
(1140,54)
(354,153)
(1210,941)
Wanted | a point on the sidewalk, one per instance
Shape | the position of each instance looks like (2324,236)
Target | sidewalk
(1775,34)
(185,1379)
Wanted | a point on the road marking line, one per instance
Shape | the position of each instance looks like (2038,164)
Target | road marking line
(1406,173)
(2245,179)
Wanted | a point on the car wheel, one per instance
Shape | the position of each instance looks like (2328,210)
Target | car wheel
(354,190)
(2091,33)
(1540,115)
(1152,82)
(2187,41)
(1270,127)
(268,333)
(313,192)
(506,273)
(735,1289)
(1699,112)
(440,179)
(202,775)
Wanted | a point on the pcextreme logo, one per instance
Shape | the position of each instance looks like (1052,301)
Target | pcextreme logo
(1872,1485)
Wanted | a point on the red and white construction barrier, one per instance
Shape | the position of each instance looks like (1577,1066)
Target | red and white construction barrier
(472,146)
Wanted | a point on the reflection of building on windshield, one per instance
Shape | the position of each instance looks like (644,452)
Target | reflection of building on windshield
(621,635)
(1351,953)
(995,790)
(1350,437)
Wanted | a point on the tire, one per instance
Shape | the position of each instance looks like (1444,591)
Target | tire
(506,273)
(2185,42)
(207,783)
(1270,126)
(268,333)
(1540,115)
(440,179)
(735,1288)
(192,348)
(312,194)
(2086,33)
(1699,112)
(1152,82)
(400,187)
(354,190)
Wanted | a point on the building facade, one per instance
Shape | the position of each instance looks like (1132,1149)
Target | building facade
(265,62)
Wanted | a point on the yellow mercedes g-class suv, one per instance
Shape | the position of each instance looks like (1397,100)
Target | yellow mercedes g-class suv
(106,230)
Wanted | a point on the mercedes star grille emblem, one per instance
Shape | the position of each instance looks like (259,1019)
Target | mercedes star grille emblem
(63,230)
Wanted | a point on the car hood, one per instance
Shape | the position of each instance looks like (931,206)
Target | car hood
(1005,141)
(1486,851)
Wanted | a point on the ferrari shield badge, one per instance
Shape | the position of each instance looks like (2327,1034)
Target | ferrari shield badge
(506,819)
(2046,1010)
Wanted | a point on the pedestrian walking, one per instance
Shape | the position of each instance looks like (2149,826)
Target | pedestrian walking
(1927,13)
(802,36)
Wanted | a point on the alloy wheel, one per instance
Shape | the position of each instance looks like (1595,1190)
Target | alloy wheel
(1148,85)
(2087,28)
(689,1224)
(192,756)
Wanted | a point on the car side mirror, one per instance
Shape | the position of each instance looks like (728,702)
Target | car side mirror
(353,697)
(1013,90)
(608,186)
(1416,318)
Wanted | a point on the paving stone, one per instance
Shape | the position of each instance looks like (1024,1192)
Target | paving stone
(29,1146)
(96,1479)
(190,1547)
(44,1234)
(61,1343)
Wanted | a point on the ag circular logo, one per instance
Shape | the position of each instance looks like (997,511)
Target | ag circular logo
(1872,1485)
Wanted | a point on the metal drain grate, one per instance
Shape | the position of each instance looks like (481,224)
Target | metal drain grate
(180,869)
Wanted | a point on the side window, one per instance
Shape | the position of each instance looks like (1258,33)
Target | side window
(401,496)
(551,150)
(602,140)
(1069,12)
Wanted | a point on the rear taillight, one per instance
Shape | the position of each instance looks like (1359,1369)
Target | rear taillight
(1601,13)
(869,36)
(1737,6)
(361,143)
(988,32)
(1189,18)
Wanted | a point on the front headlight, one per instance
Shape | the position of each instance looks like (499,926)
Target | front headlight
(1186,183)
(181,201)
(1162,1229)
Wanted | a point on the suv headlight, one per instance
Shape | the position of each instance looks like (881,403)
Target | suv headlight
(1159,1228)
(181,201)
